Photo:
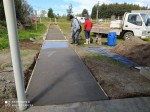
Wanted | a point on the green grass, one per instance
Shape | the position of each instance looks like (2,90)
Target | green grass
(64,25)
(94,21)
(44,19)
(147,39)
(4,43)
(23,34)
(63,21)
(32,32)
(105,59)
(3,23)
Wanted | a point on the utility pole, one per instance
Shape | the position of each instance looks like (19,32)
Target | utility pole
(39,14)
(97,12)
(15,52)
(36,19)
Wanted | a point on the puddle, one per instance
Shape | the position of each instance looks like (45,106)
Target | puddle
(47,45)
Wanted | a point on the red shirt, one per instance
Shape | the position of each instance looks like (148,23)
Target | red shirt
(87,24)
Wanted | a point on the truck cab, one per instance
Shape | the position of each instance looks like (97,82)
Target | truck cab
(133,24)
(136,24)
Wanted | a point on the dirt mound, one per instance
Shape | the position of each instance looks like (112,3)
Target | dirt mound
(27,44)
(134,49)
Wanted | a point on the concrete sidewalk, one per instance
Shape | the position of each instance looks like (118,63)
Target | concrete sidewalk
(61,77)
(54,34)
(120,105)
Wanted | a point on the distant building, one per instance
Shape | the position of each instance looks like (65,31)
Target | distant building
(141,11)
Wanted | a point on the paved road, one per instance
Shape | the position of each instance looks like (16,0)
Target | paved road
(61,77)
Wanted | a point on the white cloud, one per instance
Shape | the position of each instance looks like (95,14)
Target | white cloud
(143,3)
(88,4)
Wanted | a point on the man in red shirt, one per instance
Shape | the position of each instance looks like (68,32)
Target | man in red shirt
(87,29)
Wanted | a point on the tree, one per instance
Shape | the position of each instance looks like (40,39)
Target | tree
(107,10)
(42,13)
(50,13)
(94,11)
(2,15)
(64,16)
(23,10)
(58,16)
(85,12)
(69,11)
(27,10)
(79,15)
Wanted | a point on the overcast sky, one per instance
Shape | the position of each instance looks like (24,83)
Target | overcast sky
(60,6)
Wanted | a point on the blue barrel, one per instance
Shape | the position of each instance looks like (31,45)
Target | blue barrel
(112,37)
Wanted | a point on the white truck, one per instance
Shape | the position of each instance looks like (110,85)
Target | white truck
(81,19)
(133,24)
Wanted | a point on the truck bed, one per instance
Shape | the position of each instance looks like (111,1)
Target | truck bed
(101,29)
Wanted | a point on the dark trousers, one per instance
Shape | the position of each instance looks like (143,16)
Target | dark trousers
(75,36)
(87,34)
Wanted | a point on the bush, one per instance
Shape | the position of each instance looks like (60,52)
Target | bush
(3,23)
(4,43)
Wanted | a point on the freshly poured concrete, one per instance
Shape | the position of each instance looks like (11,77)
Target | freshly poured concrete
(60,77)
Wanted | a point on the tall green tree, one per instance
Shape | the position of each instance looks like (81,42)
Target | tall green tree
(94,10)
(69,11)
(107,10)
(2,15)
(85,12)
(23,10)
(50,13)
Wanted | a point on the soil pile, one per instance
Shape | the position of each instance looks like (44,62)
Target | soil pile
(27,44)
(134,49)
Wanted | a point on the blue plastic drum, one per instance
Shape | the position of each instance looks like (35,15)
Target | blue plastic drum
(112,37)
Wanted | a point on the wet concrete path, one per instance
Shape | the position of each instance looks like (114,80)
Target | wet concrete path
(60,76)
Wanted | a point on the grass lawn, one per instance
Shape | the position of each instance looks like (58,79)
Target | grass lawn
(23,34)
(148,39)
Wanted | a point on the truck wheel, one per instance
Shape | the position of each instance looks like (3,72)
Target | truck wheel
(127,35)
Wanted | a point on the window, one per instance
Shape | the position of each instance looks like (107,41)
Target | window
(146,19)
(135,19)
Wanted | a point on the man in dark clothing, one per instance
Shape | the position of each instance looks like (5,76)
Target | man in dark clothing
(75,26)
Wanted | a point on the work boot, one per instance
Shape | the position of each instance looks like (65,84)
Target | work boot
(86,41)
(73,42)
(89,41)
